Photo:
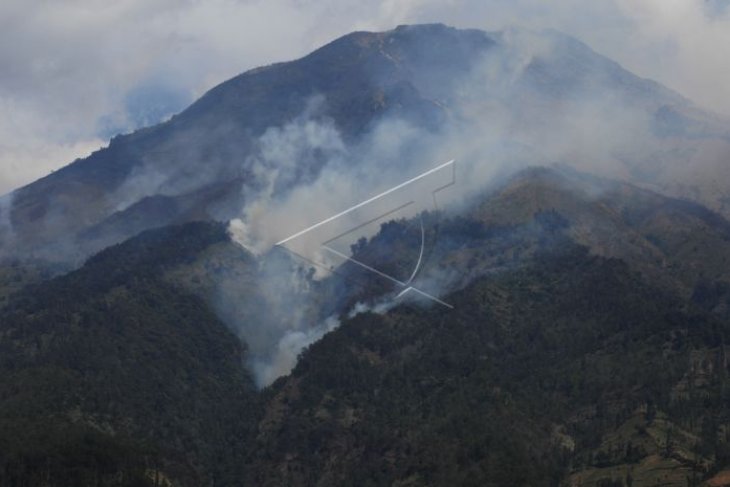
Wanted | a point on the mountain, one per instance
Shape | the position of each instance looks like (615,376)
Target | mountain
(194,165)
(147,341)
(543,92)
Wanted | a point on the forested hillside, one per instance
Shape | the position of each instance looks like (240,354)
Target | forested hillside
(113,376)
(565,361)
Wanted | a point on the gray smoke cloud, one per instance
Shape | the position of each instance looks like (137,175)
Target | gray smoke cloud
(273,312)
(288,349)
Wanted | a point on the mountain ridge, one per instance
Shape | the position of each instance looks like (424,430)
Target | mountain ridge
(589,276)
(553,358)
(411,73)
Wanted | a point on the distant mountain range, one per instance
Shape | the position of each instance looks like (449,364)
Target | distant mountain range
(586,256)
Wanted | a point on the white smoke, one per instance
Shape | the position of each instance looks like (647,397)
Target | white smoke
(291,344)
(283,158)
(496,125)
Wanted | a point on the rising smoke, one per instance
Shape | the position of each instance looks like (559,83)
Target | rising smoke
(497,103)
(534,99)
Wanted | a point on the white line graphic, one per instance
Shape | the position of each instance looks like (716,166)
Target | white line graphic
(360,205)
(406,285)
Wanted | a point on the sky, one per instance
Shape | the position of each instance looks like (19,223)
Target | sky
(76,72)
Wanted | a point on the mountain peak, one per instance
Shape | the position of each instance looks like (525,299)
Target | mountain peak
(202,160)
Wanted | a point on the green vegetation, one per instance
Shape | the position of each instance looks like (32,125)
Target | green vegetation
(521,384)
(568,360)
(111,375)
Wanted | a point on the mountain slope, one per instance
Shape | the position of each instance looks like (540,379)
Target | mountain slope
(208,143)
(568,359)
(433,78)
(587,340)
(112,374)
(519,385)
(676,245)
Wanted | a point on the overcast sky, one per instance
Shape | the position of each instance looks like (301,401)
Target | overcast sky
(75,72)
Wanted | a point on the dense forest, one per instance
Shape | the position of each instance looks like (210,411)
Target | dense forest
(112,376)
(559,365)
